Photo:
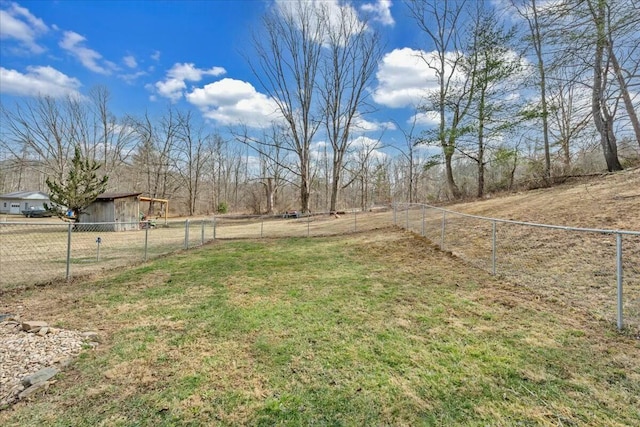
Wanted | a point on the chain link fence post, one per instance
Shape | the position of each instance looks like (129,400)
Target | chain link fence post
(424,208)
(214,227)
(619,277)
(186,234)
(261,226)
(395,214)
(202,233)
(444,222)
(68,272)
(408,207)
(493,247)
(146,242)
(355,220)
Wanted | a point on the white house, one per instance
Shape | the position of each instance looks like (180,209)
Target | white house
(18,201)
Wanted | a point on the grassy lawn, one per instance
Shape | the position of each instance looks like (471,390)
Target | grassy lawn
(372,329)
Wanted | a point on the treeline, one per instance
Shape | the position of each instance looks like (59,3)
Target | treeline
(525,92)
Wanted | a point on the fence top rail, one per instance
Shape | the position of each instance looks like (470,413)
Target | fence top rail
(530,224)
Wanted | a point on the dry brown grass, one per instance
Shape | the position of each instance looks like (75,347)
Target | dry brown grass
(576,269)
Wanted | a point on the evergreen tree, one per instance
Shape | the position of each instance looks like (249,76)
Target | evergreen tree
(79,190)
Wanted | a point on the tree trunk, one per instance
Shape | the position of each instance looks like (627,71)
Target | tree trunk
(305,188)
(451,184)
(626,97)
(602,120)
(537,41)
(480,192)
(270,192)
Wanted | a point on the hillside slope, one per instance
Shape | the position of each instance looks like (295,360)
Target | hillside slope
(609,201)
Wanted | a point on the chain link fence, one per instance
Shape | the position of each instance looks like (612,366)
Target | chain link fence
(41,252)
(596,270)
(592,269)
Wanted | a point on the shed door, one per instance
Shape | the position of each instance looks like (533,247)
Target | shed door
(15,208)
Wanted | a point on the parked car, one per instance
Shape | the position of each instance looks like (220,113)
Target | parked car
(291,214)
(37,213)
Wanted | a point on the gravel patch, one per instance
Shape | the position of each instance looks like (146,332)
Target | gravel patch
(24,353)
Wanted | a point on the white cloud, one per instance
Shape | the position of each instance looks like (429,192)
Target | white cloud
(132,77)
(18,23)
(155,55)
(427,118)
(92,60)
(38,81)
(174,85)
(334,11)
(364,143)
(364,146)
(319,146)
(231,101)
(381,11)
(130,61)
(405,78)
(363,125)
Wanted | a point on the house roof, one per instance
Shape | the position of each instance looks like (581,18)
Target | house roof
(25,195)
(112,196)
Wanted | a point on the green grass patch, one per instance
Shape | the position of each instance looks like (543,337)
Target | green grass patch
(333,331)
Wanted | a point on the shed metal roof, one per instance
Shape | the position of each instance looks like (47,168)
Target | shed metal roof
(113,196)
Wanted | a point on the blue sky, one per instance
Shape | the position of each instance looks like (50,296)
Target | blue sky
(187,53)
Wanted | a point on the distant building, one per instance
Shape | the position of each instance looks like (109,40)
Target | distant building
(18,201)
(120,210)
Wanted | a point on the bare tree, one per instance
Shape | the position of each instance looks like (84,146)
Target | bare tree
(286,61)
(441,22)
(115,140)
(37,130)
(350,57)
(273,174)
(154,152)
(622,42)
(529,10)
(493,69)
(602,112)
(570,112)
(360,168)
(41,134)
(190,158)
(408,153)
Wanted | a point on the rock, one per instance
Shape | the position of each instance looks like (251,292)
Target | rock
(16,390)
(30,390)
(41,376)
(43,331)
(33,325)
(4,317)
(90,336)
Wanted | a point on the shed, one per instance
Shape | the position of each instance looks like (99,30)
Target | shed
(119,212)
(14,203)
